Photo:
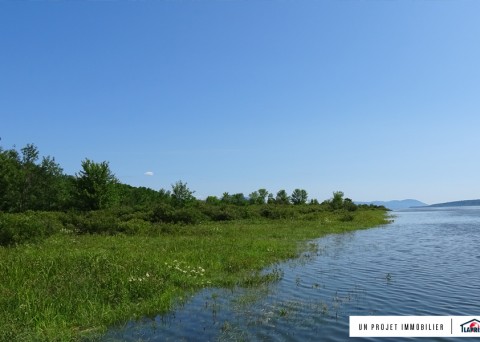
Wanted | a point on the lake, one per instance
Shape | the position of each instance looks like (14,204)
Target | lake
(425,263)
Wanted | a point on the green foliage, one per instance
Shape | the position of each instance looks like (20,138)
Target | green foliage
(28,175)
(349,205)
(270,199)
(98,222)
(226,197)
(137,226)
(166,213)
(213,200)
(95,185)
(10,166)
(221,212)
(28,185)
(139,196)
(254,198)
(258,197)
(235,199)
(239,199)
(347,217)
(163,212)
(181,194)
(263,195)
(188,215)
(299,196)
(28,227)
(53,187)
(282,197)
(337,200)
(276,212)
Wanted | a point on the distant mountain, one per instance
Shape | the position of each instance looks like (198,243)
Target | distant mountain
(458,203)
(397,205)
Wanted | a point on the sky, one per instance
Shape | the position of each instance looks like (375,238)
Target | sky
(379,99)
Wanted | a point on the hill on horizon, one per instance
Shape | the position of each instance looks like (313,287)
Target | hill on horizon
(397,204)
(464,203)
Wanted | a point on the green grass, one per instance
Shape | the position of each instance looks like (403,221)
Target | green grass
(72,287)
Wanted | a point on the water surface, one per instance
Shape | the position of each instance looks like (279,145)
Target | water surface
(425,263)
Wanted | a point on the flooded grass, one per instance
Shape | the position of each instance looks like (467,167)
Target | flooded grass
(72,287)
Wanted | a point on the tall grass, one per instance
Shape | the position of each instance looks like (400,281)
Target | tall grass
(73,286)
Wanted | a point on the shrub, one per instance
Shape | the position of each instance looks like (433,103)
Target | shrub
(29,226)
(162,213)
(99,222)
(349,205)
(213,200)
(165,213)
(135,226)
(347,217)
(187,216)
(223,212)
(277,212)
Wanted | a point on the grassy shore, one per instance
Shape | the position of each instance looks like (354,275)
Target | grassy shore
(71,287)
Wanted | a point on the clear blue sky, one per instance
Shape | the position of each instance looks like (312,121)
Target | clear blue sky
(379,99)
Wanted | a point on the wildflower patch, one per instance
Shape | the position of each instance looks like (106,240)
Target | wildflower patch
(185,269)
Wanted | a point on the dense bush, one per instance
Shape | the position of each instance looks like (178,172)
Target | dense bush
(98,222)
(276,212)
(187,215)
(347,217)
(162,212)
(165,213)
(135,226)
(28,226)
(125,213)
(221,214)
(228,212)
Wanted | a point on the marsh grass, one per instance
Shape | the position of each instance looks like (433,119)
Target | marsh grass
(72,287)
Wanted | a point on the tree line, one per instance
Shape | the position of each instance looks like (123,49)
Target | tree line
(37,199)
(28,182)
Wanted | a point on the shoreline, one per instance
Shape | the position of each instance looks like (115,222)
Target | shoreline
(70,286)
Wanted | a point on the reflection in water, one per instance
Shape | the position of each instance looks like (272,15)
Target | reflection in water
(423,264)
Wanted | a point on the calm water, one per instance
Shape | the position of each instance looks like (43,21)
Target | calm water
(425,263)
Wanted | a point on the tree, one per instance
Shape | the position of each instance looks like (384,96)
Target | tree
(282,197)
(164,195)
(181,194)
(212,200)
(238,199)
(28,177)
(271,199)
(299,196)
(52,187)
(263,195)
(337,201)
(29,154)
(258,197)
(95,185)
(10,167)
(254,198)
(349,205)
(226,198)
(138,196)
(28,185)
